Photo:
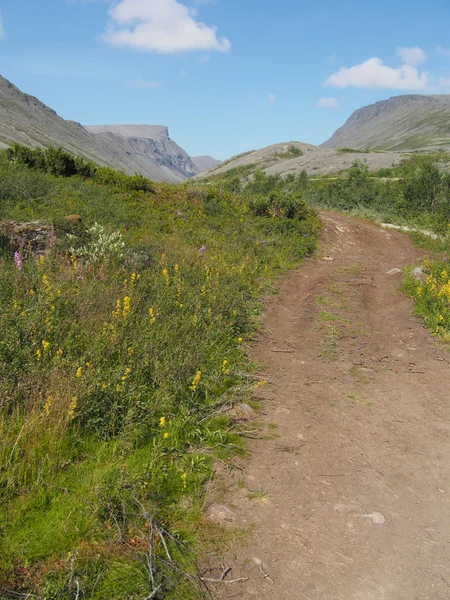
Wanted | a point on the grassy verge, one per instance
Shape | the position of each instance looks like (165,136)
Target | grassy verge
(120,344)
(431,290)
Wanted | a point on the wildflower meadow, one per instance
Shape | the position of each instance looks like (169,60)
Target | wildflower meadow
(121,343)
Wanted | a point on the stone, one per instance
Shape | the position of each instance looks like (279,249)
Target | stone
(418,274)
(394,271)
(220,514)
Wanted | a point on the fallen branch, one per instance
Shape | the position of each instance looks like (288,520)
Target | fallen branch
(222,579)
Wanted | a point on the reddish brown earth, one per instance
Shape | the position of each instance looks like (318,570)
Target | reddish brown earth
(346,494)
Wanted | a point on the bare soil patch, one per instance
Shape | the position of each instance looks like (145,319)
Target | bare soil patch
(346,494)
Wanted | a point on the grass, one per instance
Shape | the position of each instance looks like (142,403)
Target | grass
(120,344)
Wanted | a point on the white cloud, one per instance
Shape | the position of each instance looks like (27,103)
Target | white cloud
(271,100)
(144,84)
(163,26)
(374,74)
(2,29)
(414,56)
(328,103)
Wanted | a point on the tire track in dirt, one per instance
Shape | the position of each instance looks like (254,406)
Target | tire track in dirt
(350,499)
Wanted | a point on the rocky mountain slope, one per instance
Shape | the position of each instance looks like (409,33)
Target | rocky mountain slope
(294,157)
(204,163)
(410,122)
(26,120)
(150,143)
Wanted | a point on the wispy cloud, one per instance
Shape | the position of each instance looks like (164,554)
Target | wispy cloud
(271,100)
(162,26)
(443,51)
(373,73)
(328,103)
(144,84)
(2,28)
(413,56)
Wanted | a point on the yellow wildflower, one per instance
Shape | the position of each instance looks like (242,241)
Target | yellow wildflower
(152,315)
(38,354)
(126,374)
(162,422)
(130,351)
(225,369)
(239,340)
(48,405)
(166,435)
(126,306)
(184,477)
(79,372)
(72,407)
(45,345)
(116,312)
(45,283)
(165,274)
(104,386)
(195,381)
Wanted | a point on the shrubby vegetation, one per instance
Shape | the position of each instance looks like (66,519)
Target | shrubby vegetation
(416,193)
(120,346)
(431,291)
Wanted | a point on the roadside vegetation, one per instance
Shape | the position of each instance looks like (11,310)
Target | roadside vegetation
(124,305)
(415,193)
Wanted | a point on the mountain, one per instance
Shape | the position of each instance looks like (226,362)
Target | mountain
(294,157)
(410,122)
(150,143)
(26,120)
(204,163)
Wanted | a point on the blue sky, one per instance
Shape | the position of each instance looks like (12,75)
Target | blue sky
(225,76)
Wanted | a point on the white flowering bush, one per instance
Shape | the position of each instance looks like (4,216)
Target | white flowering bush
(102,246)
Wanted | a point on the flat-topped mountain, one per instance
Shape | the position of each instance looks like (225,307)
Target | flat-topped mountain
(150,143)
(410,122)
(26,120)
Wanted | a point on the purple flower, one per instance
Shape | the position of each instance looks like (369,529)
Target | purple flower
(444,258)
(80,278)
(18,261)
(203,249)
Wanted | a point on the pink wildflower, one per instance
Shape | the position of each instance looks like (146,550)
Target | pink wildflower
(18,261)
(203,248)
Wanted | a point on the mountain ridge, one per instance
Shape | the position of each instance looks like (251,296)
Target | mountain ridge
(28,121)
(406,123)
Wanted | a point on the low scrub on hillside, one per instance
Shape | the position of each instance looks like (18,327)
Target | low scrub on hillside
(124,305)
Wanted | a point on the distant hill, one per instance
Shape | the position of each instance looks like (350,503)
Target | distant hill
(26,120)
(410,122)
(204,163)
(294,157)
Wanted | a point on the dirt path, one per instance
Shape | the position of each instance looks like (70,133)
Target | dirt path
(350,498)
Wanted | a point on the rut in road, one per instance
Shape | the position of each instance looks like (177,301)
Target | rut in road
(350,498)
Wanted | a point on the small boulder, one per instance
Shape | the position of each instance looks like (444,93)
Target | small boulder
(418,274)
(220,515)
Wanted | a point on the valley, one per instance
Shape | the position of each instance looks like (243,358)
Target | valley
(224,379)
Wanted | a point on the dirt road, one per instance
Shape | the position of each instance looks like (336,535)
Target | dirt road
(349,499)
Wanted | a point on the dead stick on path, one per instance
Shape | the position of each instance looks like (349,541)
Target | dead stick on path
(285,351)
(222,578)
(265,575)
